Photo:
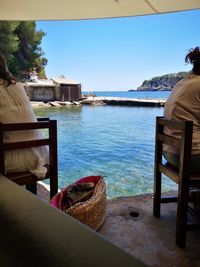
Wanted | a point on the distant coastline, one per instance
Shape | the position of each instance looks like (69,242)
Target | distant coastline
(161,83)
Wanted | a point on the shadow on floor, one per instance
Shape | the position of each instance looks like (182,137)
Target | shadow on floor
(147,238)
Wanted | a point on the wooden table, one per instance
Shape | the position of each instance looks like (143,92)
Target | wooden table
(32,233)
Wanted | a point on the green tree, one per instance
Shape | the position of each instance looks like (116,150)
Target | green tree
(20,42)
(9,41)
(30,54)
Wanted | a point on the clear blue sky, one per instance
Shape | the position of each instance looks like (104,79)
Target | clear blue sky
(119,54)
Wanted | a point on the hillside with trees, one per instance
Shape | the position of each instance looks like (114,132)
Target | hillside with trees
(162,83)
(20,43)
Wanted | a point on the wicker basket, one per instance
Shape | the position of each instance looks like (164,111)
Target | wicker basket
(93,211)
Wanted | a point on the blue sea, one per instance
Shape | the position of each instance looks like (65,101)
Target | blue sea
(135,94)
(113,141)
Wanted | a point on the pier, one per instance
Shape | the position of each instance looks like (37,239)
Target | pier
(100,101)
(121,101)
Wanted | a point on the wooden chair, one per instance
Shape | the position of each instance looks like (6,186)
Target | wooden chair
(27,178)
(181,176)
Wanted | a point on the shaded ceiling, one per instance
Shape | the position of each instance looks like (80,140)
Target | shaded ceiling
(88,9)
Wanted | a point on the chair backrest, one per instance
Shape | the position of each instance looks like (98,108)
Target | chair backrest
(181,175)
(50,141)
(183,144)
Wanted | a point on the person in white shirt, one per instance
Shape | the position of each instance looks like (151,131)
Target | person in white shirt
(15,107)
(184,104)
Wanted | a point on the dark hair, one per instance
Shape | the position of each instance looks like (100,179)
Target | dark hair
(4,72)
(193,57)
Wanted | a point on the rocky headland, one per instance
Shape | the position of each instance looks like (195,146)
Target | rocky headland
(162,83)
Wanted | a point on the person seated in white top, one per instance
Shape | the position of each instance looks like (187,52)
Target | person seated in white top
(184,104)
(15,107)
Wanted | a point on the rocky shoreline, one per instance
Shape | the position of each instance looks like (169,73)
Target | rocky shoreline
(162,83)
(100,101)
(40,104)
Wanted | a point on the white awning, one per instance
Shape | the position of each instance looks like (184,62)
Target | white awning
(88,9)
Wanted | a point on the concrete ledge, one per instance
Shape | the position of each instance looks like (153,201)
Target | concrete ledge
(100,101)
(58,104)
(119,101)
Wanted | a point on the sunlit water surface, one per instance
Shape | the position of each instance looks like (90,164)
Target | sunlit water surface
(115,142)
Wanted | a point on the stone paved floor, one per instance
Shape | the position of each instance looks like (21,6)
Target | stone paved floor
(150,239)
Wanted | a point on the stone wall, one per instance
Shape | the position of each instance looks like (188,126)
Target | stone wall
(54,92)
(40,93)
(68,92)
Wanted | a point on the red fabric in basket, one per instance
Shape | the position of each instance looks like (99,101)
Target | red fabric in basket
(57,199)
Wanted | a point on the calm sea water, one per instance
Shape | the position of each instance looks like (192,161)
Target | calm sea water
(115,142)
(135,94)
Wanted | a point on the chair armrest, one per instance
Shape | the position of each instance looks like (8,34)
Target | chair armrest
(42,119)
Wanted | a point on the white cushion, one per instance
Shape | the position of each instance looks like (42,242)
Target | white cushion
(15,107)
